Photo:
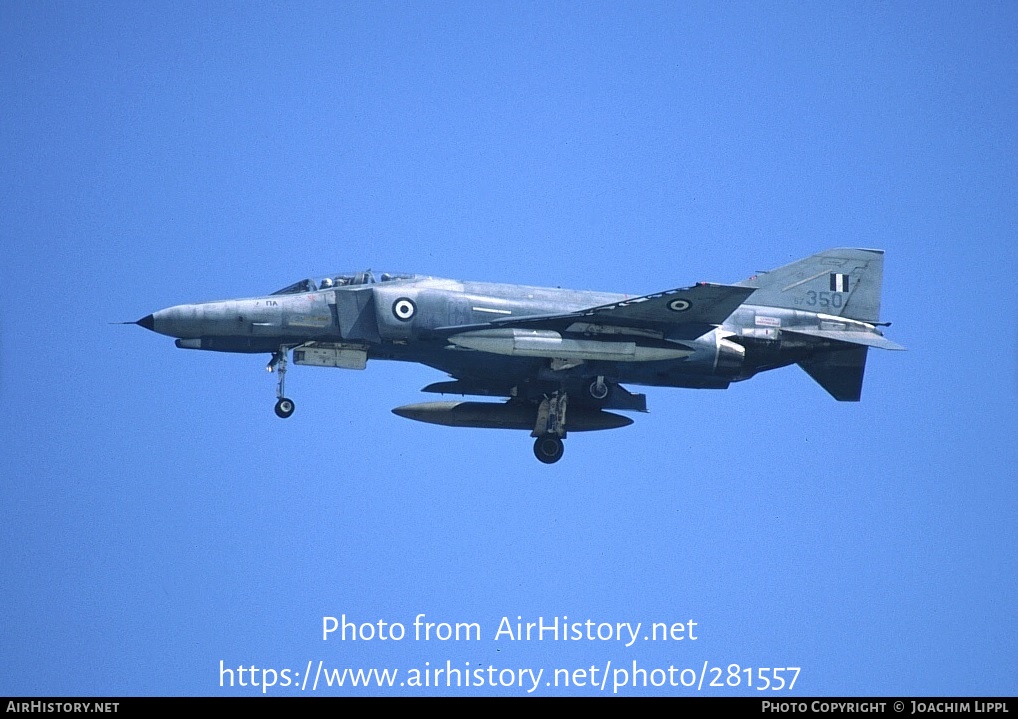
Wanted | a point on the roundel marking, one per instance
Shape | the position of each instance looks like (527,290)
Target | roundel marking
(404,309)
(679,305)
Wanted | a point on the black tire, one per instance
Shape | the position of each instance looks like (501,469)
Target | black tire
(595,393)
(549,449)
(284,408)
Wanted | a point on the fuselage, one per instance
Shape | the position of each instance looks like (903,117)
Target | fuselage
(558,357)
(410,319)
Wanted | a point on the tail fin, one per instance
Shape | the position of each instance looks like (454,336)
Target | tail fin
(843,282)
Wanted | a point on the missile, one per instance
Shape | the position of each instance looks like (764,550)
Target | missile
(508,415)
(551,344)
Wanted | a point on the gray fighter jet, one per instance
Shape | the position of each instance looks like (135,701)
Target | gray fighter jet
(559,358)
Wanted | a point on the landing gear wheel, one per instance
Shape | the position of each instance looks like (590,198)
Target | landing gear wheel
(549,449)
(284,408)
(598,389)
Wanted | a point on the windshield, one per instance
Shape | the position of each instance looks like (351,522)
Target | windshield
(345,279)
(296,288)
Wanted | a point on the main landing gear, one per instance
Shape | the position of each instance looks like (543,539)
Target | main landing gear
(549,449)
(550,428)
(284,405)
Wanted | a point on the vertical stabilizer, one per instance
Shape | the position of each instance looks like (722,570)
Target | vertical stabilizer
(843,282)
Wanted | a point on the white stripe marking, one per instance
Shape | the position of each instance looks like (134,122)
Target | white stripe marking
(802,282)
(491,311)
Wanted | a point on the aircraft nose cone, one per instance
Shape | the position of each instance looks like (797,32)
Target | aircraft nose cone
(182,321)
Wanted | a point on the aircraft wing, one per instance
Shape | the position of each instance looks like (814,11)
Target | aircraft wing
(704,303)
(698,307)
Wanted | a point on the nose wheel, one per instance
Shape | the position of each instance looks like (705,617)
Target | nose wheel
(284,405)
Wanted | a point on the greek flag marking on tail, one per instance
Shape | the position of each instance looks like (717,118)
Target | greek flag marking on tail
(839,282)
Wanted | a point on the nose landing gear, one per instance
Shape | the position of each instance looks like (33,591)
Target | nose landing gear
(284,406)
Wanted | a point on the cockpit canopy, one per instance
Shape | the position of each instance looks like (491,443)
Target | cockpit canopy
(367,277)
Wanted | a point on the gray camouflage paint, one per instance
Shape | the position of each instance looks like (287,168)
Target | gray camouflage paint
(529,344)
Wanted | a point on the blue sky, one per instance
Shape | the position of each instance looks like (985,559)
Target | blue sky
(156,518)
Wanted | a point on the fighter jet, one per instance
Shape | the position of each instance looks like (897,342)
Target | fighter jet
(557,358)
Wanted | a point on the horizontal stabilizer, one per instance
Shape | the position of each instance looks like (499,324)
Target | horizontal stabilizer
(867,339)
(840,372)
